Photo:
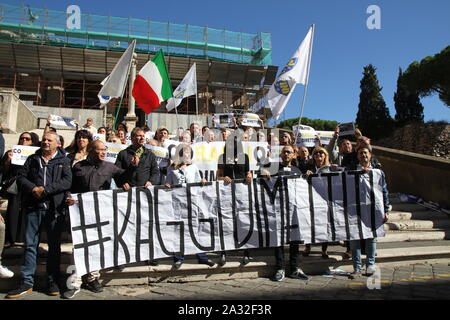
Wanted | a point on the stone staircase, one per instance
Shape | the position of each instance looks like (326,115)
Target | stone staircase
(414,234)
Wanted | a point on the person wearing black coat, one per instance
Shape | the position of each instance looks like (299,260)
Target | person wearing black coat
(44,179)
(91,174)
(139,162)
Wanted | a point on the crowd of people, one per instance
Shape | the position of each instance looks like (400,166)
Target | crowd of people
(40,192)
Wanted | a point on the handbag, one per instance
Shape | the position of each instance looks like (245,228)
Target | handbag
(9,187)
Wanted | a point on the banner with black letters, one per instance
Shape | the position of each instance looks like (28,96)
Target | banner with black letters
(116,227)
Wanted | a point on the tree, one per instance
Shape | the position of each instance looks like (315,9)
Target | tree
(317,124)
(430,76)
(373,116)
(408,107)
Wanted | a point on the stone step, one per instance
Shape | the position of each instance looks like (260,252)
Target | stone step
(261,265)
(417,215)
(417,224)
(408,235)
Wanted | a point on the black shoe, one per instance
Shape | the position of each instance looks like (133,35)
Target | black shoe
(23,289)
(94,286)
(153,263)
(208,262)
(222,260)
(177,264)
(69,294)
(52,289)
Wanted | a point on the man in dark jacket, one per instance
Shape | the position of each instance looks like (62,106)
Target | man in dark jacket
(92,174)
(139,162)
(286,169)
(44,179)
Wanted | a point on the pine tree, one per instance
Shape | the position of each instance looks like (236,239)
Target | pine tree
(408,107)
(373,117)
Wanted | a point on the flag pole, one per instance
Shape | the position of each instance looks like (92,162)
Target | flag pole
(307,77)
(178,121)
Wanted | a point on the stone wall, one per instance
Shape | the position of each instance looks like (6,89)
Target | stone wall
(431,139)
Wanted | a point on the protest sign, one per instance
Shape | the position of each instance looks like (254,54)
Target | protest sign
(99,136)
(347,129)
(223,120)
(143,224)
(62,121)
(250,120)
(21,153)
(325,136)
(113,150)
(306,138)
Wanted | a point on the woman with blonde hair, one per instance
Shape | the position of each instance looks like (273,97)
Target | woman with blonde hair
(320,164)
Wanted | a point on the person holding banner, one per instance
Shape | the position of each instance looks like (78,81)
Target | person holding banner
(302,159)
(364,155)
(91,174)
(78,148)
(234,164)
(286,168)
(15,215)
(161,135)
(182,171)
(43,179)
(351,159)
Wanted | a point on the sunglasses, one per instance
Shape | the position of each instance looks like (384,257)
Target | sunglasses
(25,138)
(319,152)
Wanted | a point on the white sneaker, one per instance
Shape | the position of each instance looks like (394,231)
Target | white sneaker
(370,270)
(5,272)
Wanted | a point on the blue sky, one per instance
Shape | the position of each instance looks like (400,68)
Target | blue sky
(410,30)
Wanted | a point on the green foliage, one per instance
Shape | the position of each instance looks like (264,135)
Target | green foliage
(373,117)
(317,124)
(430,76)
(408,107)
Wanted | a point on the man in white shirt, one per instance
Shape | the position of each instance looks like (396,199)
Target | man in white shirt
(89,126)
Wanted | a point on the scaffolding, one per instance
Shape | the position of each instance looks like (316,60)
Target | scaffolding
(24,24)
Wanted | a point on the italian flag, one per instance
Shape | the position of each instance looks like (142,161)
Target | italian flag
(152,84)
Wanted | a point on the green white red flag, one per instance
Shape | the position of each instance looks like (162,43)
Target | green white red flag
(152,84)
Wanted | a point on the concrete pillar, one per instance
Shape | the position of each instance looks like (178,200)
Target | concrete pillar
(130,118)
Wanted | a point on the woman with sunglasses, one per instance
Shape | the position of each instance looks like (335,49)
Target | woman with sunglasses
(182,171)
(320,164)
(15,217)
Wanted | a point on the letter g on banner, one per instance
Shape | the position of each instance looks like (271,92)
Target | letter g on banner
(73,17)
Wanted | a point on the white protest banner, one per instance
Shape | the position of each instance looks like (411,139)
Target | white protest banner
(346,129)
(113,150)
(325,136)
(99,136)
(250,120)
(62,121)
(223,120)
(206,156)
(161,154)
(21,153)
(151,223)
(306,138)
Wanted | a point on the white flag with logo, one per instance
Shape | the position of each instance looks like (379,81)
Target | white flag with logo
(114,84)
(187,87)
(295,71)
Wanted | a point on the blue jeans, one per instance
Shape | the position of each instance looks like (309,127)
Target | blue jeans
(371,248)
(53,226)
